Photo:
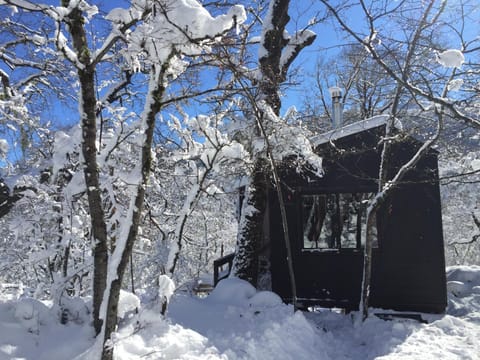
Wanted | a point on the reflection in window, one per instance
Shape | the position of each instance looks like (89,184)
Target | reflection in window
(335,221)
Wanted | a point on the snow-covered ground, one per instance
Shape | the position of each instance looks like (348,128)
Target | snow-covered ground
(236,322)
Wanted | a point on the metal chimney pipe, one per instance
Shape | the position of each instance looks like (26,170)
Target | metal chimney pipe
(337,116)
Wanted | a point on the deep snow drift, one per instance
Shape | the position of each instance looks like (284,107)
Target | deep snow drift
(236,322)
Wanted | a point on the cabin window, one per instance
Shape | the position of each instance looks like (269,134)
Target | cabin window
(335,221)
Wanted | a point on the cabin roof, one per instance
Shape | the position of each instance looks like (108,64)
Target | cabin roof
(354,128)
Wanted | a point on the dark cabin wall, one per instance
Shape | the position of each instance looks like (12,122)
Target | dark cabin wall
(408,267)
(412,253)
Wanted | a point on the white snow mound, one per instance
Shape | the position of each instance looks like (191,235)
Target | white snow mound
(265,299)
(232,291)
(466,277)
(127,302)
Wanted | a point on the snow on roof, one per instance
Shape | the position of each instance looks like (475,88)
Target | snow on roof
(354,128)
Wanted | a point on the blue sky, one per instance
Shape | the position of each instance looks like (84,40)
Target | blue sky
(300,11)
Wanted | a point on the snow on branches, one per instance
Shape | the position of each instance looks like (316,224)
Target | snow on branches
(450,58)
(179,27)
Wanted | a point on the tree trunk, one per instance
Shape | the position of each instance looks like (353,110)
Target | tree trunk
(380,199)
(367,262)
(88,102)
(156,91)
(274,70)
(250,234)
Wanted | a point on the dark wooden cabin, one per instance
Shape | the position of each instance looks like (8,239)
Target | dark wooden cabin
(326,218)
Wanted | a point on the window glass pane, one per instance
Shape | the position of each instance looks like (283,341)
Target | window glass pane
(351,210)
(334,221)
(316,226)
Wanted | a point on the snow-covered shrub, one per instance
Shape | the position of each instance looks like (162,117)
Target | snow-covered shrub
(127,303)
(31,314)
(74,309)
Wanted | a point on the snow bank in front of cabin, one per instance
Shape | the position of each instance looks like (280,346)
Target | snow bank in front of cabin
(245,324)
(237,322)
(453,335)
(150,336)
(234,322)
